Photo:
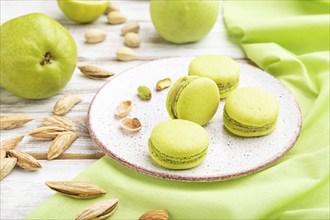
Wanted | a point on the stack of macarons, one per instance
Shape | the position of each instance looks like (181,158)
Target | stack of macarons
(192,102)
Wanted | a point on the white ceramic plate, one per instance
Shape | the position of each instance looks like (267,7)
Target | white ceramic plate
(228,156)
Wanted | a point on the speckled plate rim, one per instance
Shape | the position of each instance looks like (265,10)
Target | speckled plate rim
(177,177)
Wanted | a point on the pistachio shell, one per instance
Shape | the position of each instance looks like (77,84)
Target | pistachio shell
(163,84)
(123,109)
(111,7)
(125,54)
(130,27)
(116,17)
(132,40)
(93,36)
(131,124)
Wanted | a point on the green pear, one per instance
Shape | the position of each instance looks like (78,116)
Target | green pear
(38,56)
(184,21)
(83,11)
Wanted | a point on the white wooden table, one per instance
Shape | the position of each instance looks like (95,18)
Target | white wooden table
(23,191)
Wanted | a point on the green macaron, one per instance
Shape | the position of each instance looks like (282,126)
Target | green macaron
(223,70)
(178,144)
(193,98)
(250,112)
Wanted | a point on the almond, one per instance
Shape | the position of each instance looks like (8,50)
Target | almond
(159,214)
(47,132)
(76,189)
(10,143)
(13,121)
(59,121)
(65,104)
(100,210)
(6,166)
(61,143)
(95,72)
(25,160)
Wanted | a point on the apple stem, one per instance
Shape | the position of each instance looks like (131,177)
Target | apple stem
(47,59)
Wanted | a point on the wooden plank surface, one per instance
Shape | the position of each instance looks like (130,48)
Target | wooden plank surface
(21,191)
(103,55)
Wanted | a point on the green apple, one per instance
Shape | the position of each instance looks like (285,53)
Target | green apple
(38,56)
(184,21)
(83,11)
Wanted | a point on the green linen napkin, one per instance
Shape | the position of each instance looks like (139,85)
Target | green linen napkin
(290,40)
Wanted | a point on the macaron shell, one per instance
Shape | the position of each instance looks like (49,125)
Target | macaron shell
(252,107)
(170,94)
(178,144)
(179,138)
(219,68)
(198,101)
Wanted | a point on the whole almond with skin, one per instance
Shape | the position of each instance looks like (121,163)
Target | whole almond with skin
(25,160)
(2,154)
(11,143)
(60,144)
(95,36)
(95,72)
(76,189)
(59,121)
(65,104)
(13,121)
(47,132)
(116,17)
(6,166)
(125,54)
(111,7)
(130,27)
(132,40)
(100,210)
(159,214)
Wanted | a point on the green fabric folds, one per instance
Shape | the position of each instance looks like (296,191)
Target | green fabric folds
(290,40)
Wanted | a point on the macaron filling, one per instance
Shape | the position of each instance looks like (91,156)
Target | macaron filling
(175,160)
(224,87)
(233,124)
